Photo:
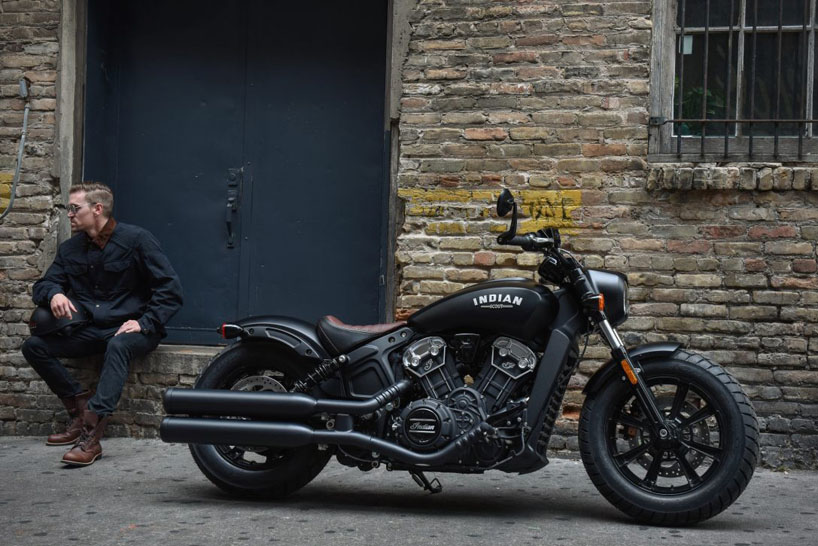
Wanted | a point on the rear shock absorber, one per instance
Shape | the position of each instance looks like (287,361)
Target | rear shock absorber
(321,372)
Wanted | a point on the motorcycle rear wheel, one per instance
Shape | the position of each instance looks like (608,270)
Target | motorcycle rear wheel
(671,482)
(248,471)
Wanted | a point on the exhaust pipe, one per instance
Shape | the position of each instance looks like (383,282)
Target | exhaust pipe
(271,405)
(258,433)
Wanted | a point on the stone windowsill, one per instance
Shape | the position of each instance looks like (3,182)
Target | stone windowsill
(742,176)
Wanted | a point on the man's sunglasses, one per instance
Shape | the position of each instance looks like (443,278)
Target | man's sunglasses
(73,209)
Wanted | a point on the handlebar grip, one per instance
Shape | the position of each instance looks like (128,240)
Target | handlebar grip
(521,240)
(526,241)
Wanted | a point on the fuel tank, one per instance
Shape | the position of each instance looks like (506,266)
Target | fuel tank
(519,308)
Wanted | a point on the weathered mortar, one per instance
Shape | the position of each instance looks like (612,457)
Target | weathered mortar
(549,98)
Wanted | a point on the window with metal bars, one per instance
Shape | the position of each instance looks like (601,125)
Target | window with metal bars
(734,80)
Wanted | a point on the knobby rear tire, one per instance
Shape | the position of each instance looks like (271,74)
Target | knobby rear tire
(737,451)
(287,470)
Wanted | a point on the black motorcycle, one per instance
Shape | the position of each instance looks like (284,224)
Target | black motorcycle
(471,383)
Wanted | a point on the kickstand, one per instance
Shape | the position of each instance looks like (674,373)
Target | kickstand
(430,486)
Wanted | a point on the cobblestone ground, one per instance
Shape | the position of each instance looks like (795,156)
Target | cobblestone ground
(145,491)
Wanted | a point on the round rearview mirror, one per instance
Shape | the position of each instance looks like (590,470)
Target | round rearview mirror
(505,203)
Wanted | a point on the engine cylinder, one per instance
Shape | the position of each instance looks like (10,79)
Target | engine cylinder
(510,362)
(429,360)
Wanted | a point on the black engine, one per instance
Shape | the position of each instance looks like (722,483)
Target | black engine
(452,407)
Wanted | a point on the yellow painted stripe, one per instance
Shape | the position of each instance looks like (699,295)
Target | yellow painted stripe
(539,208)
(5,186)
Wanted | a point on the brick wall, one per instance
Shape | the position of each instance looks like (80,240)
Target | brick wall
(28,48)
(551,99)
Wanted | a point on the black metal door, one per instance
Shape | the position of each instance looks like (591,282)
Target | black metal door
(315,133)
(248,137)
(164,123)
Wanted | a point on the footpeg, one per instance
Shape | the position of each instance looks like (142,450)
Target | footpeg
(432,487)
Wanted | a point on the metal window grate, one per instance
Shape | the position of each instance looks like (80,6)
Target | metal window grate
(744,72)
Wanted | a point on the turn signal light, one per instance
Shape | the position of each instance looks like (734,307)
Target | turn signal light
(626,367)
(602,302)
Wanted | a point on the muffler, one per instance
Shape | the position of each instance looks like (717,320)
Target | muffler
(260,433)
(271,405)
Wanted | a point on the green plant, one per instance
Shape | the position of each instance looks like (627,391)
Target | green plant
(692,100)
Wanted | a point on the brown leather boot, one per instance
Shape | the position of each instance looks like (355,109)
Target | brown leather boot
(75,405)
(87,449)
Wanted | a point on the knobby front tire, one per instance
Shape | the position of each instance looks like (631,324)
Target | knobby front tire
(671,483)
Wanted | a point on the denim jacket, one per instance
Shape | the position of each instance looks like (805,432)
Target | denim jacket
(129,278)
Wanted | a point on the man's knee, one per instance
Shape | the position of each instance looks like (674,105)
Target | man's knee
(34,348)
(128,346)
(118,345)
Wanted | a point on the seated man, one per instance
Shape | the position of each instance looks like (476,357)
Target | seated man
(119,275)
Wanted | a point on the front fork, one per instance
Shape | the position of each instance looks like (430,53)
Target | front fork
(593,303)
(634,374)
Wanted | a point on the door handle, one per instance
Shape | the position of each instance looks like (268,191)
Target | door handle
(234,177)
(232,206)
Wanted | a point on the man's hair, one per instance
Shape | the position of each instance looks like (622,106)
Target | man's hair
(96,192)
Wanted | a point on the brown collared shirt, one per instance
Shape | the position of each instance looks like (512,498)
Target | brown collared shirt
(105,233)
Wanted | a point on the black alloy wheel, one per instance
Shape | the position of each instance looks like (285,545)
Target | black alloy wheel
(692,471)
(256,471)
(679,462)
(255,380)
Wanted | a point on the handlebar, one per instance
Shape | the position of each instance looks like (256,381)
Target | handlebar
(528,241)
(557,267)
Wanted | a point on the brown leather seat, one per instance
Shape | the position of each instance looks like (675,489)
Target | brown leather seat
(339,338)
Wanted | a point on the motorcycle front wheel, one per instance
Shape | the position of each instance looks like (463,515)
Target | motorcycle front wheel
(256,471)
(687,478)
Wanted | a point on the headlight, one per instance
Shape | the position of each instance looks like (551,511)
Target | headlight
(614,286)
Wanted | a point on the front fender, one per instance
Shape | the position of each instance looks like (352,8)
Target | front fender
(295,334)
(611,369)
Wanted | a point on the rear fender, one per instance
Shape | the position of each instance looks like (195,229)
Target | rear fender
(296,335)
(611,369)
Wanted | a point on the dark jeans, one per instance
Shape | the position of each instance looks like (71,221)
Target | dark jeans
(41,353)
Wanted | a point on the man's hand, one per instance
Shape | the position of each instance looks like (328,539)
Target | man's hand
(61,306)
(129,327)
